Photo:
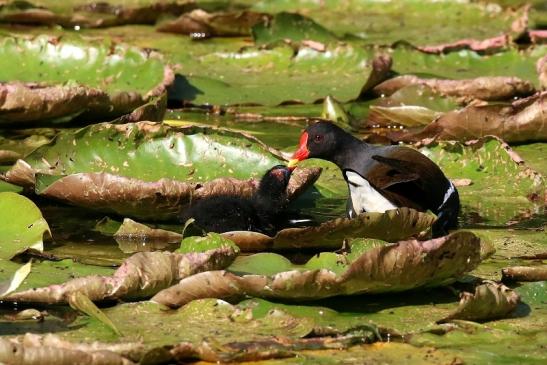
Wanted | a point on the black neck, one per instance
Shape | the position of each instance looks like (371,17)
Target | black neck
(348,147)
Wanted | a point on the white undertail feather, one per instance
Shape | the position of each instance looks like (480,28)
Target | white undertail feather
(364,197)
(451,190)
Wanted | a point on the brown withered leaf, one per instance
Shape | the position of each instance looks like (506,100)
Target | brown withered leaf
(51,349)
(487,88)
(490,301)
(391,268)
(524,273)
(391,226)
(131,230)
(199,23)
(489,45)
(140,276)
(522,121)
(28,102)
(158,200)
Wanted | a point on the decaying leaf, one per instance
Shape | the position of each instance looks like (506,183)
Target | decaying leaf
(57,80)
(490,301)
(402,266)
(522,121)
(90,13)
(201,24)
(140,276)
(131,230)
(484,88)
(50,349)
(524,273)
(489,45)
(391,226)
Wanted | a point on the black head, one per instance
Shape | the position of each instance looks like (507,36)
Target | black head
(274,182)
(319,140)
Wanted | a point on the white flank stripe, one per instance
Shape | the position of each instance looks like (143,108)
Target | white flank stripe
(364,197)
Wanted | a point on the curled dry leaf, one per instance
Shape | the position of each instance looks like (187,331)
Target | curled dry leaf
(391,268)
(275,347)
(201,24)
(490,301)
(131,230)
(140,276)
(522,121)
(489,45)
(391,226)
(43,95)
(51,349)
(524,273)
(92,14)
(487,88)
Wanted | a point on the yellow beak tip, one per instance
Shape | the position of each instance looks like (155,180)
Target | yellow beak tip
(292,163)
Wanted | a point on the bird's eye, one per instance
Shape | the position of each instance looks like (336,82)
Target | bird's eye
(318,138)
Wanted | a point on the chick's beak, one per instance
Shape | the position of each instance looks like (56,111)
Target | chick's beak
(301,153)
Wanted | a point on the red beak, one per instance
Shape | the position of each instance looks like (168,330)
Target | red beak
(301,153)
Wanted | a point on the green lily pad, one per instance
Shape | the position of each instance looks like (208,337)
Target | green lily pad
(86,168)
(467,64)
(92,81)
(416,22)
(51,272)
(290,26)
(500,184)
(240,77)
(23,226)
(390,268)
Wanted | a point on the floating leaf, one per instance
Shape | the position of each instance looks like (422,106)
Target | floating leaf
(89,13)
(484,88)
(201,24)
(490,164)
(292,27)
(212,241)
(391,268)
(81,302)
(305,75)
(525,273)
(18,277)
(393,225)
(131,230)
(522,121)
(140,276)
(61,80)
(23,226)
(490,301)
(85,168)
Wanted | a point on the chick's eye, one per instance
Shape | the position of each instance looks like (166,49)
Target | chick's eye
(318,138)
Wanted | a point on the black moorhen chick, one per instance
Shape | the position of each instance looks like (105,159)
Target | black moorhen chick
(380,178)
(262,212)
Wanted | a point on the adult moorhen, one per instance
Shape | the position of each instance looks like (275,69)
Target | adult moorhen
(262,212)
(380,178)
